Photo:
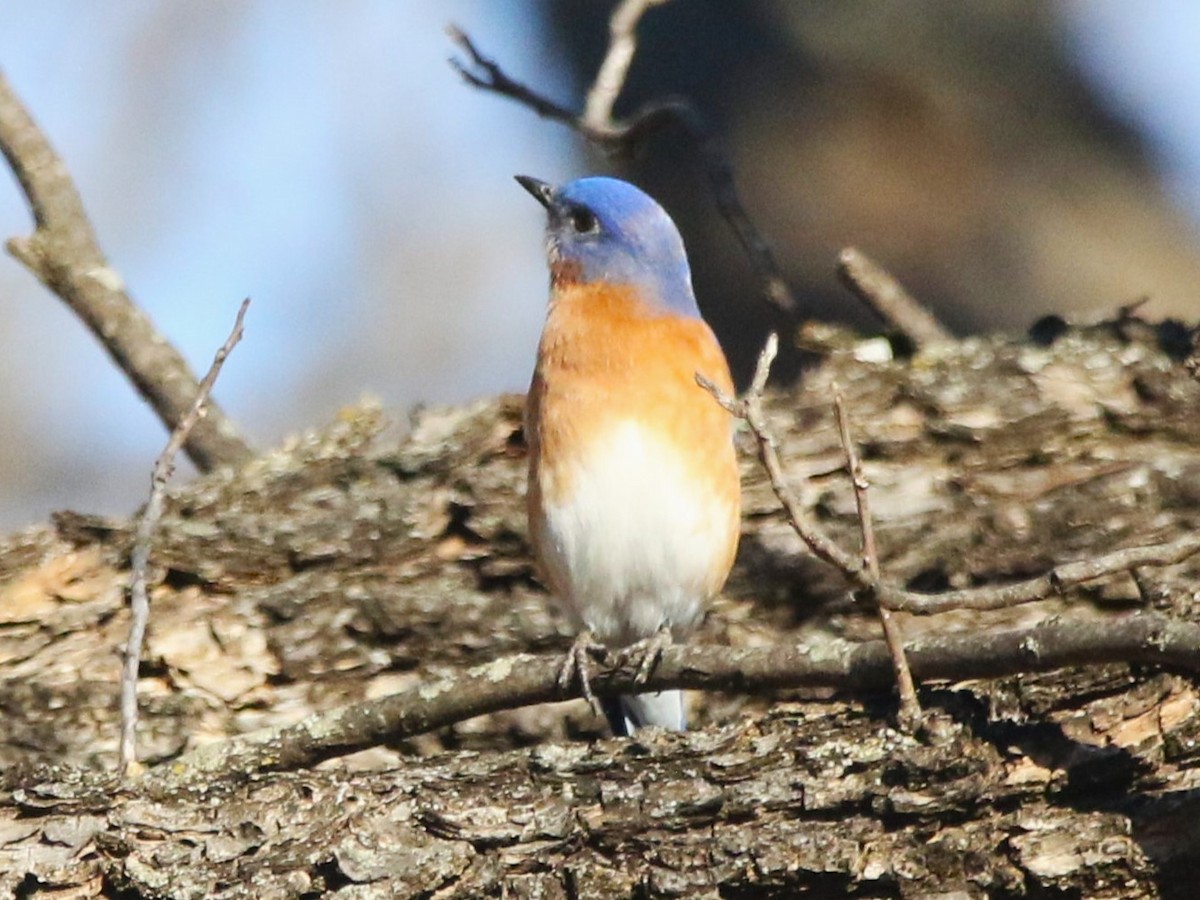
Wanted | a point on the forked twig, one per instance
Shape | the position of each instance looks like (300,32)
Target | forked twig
(862,572)
(597,125)
(749,408)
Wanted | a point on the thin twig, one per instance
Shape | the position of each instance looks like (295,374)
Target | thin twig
(164,467)
(858,478)
(487,75)
(522,680)
(910,706)
(888,299)
(1051,584)
(750,409)
(64,255)
(622,136)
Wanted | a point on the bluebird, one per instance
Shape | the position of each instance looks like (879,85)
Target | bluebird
(634,497)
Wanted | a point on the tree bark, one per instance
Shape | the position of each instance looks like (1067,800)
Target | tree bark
(345,566)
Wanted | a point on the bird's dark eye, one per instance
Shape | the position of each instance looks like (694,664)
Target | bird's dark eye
(583,221)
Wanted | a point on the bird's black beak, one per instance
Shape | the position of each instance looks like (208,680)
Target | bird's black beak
(542,192)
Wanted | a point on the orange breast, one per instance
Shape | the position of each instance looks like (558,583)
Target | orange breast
(605,358)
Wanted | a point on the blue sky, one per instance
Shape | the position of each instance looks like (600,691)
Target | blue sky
(1144,59)
(321,158)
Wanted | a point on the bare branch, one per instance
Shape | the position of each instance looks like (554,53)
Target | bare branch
(622,136)
(888,299)
(64,255)
(1050,584)
(523,680)
(622,44)
(910,706)
(164,467)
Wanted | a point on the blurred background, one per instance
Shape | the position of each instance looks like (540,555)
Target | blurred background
(1005,160)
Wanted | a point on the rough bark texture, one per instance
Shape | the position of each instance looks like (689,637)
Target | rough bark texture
(347,565)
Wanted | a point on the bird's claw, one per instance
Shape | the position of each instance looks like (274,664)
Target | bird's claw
(647,652)
(577,665)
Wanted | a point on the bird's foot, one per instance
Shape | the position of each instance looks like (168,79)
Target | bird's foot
(578,665)
(647,652)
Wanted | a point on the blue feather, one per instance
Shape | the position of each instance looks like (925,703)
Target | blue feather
(617,234)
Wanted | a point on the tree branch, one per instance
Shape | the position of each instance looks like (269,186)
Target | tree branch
(749,408)
(521,680)
(888,299)
(1054,582)
(610,78)
(622,136)
(64,255)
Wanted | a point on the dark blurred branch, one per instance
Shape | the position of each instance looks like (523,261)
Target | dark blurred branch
(523,680)
(1193,360)
(623,135)
(888,299)
(164,467)
(64,255)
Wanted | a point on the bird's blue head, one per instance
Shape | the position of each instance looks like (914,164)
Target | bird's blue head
(606,230)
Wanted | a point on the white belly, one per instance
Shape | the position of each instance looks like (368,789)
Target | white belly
(633,544)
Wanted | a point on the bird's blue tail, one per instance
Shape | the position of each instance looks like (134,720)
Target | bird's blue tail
(627,714)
